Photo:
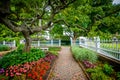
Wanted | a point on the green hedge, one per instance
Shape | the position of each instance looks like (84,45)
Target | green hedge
(54,48)
(4,48)
(83,54)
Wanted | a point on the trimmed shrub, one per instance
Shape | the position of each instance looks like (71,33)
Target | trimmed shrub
(4,48)
(84,54)
(54,48)
(107,69)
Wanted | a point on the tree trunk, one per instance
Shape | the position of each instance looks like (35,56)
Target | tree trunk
(74,41)
(27,42)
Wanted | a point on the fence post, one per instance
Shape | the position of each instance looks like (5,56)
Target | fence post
(14,43)
(52,42)
(59,42)
(86,42)
(79,41)
(116,44)
(97,43)
(71,41)
(38,43)
(3,42)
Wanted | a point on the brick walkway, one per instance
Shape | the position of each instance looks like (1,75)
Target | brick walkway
(66,67)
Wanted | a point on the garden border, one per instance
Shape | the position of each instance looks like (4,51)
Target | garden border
(51,69)
(81,66)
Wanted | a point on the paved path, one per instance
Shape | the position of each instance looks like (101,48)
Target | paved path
(66,68)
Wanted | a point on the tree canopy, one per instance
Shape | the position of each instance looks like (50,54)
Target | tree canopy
(23,15)
(82,17)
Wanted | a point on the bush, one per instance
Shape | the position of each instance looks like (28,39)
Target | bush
(4,48)
(107,69)
(54,48)
(18,57)
(98,74)
(84,54)
(53,52)
(118,75)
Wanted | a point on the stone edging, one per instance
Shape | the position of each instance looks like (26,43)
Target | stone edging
(81,66)
(83,69)
(52,68)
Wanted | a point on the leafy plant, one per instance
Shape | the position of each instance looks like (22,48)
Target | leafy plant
(97,74)
(53,52)
(4,48)
(84,54)
(18,57)
(89,64)
(107,69)
(54,48)
(29,70)
(118,75)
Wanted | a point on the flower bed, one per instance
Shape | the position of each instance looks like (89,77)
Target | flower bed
(36,70)
(96,69)
(34,65)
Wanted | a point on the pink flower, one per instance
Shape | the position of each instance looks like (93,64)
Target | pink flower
(18,74)
(24,71)
(6,74)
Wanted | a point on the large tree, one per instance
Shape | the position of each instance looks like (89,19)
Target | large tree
(24,15)
(92,17)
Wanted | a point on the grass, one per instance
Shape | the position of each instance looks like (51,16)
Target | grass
(54,50)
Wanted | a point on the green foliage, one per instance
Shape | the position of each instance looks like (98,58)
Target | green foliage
(57,31)
(53,52)
(3,77)
(18,57)
(118,75)
(98,74)
(65,38)
(54,48)
(4,48)
(20,47)
(84,54)
(7,34)
(107,69)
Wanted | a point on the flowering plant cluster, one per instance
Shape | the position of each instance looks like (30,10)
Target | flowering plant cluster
(38,71)
(35,70)
(2,71)
(88,64)
(49,57)
(18,69)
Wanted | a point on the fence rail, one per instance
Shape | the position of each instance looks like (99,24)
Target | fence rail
(109,47)
(10,43)
(46,43)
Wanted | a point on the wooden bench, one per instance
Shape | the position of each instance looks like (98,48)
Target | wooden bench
(44,49)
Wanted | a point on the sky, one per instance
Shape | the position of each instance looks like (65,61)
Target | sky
(116,2)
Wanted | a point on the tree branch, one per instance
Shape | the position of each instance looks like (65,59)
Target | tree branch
(10,25)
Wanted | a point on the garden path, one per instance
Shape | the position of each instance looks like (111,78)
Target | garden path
(66,68)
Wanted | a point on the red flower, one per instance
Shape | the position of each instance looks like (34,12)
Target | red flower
(40,78)
(29,74)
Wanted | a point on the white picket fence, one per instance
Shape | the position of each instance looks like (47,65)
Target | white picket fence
(106,47)
(46,43)
(11,44)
